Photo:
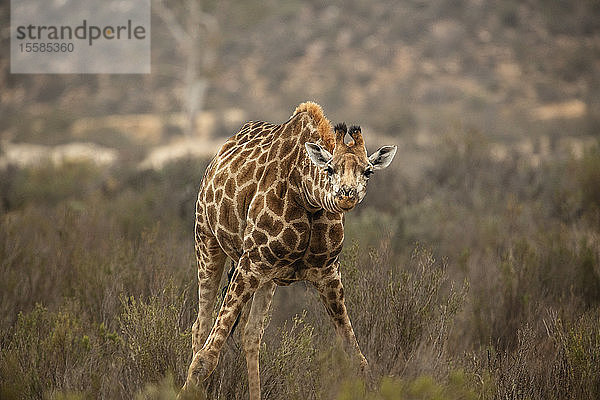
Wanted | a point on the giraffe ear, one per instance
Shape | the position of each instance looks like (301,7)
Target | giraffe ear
(318,155)
(383,157)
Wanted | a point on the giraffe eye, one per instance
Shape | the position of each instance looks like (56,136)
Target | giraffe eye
(329,170)
(368,173)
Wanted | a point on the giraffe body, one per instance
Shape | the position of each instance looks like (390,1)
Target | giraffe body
(271,201)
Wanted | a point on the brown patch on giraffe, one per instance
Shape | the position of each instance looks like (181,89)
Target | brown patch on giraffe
(253,282)
(267,255)
(239,288)
(300,227)
(318,245)
(336,232)
(267,223)
(264,221)
(236,163)
(333,284)
(228,145)
(209,194)
(278,248)
(323,125)
(246,297)
(258,173)
(333,216)
(219,180)
(274,147)
(254,256)
(280,189)
(245,173)
(263,158)
(274,202)
(244,197)
(256,130)
(227,215)
(259,238)
(295,176)
(211,212)
(293,211)
(218,193)
(270,175)
(316,260)
(230,187)
(286,149)
(289,236)
(246,153)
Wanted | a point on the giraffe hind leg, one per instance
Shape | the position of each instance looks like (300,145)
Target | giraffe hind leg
(243,316)
(253,331)
(245,281)
(211,262)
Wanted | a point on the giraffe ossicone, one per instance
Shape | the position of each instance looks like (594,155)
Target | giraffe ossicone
(273,200)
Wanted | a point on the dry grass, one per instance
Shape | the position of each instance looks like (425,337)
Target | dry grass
(97,294)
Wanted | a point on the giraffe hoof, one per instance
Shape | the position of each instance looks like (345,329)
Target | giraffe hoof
(201,367)
(190,391)
(367,374)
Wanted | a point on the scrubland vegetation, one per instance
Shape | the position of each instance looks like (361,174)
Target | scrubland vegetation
(472,268)
(479,280)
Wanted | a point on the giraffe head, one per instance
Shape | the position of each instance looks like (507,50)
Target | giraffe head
(348,169)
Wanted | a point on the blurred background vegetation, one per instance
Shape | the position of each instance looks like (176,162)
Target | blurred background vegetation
(472,270)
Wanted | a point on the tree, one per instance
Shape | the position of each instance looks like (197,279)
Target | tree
(197,36)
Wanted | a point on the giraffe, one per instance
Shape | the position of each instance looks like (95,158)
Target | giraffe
(273,200)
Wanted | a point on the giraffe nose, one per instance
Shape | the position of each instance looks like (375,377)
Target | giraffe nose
(347,191)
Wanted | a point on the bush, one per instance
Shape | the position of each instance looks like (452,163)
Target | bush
(403,315)
(55,352)
(98,288)
(49,184)
(154,342)
(458,386)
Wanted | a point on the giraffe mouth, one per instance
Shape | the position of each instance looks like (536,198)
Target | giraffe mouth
(347,203)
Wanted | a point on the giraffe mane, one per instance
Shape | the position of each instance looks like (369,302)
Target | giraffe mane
(324,127)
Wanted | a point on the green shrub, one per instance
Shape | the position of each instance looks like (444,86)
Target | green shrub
(458,386)
(403,315)
(154,343)
(53,351)
(49,184)
(553,361)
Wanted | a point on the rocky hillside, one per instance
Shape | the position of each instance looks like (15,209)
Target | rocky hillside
(414,70)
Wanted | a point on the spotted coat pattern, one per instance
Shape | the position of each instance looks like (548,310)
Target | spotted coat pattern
(264,204)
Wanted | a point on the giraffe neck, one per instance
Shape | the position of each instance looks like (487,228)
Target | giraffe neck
(316,188)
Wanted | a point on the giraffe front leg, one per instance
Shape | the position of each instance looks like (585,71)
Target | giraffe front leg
(331,292)
(243,285)
(253,332)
